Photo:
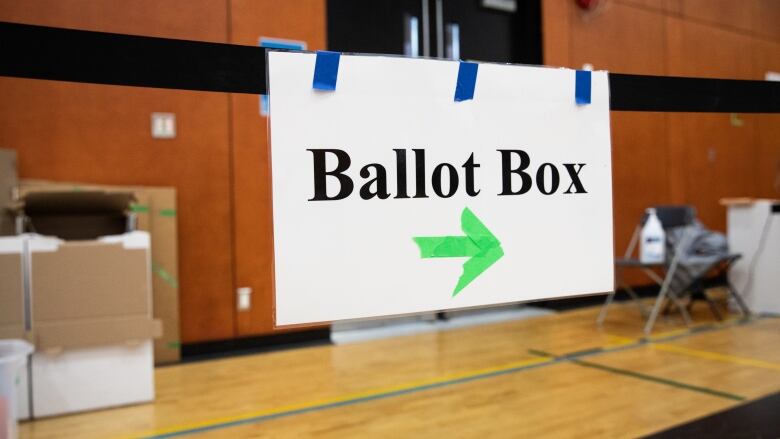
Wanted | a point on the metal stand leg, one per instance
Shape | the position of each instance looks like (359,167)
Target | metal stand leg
(740,303)
(713,306)
(666,287)
(619,282)
(604,308)
(656,309)
(637,301)
(683,310)
(611,297)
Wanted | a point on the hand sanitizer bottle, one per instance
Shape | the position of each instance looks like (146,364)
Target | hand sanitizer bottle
(652,244)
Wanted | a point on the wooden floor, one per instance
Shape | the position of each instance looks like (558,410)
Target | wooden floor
(551,376)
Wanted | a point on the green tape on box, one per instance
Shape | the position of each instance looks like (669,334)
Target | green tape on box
(173,345)
(139,208)
(164,275)
(167,212)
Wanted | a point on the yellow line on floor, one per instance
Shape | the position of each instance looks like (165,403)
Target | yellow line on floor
(425,384)
(667,334)
(655,343)
(617,341)
(352,397)
(663,336)
(693,328)
(716,356)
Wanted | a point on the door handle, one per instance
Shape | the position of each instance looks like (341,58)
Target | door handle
(452,38)
(411,35)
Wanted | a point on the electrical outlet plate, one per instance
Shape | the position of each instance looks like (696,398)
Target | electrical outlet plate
(244,298)
(163,126)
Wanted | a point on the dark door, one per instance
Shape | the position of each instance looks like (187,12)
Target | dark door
(376,26)
(507,31)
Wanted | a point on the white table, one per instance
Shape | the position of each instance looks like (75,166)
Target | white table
(754,231)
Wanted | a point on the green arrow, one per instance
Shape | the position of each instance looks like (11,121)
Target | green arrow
(483,248)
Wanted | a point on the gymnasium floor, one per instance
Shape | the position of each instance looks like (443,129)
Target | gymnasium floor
(549,376)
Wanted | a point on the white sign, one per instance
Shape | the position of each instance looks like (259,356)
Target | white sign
(389,197)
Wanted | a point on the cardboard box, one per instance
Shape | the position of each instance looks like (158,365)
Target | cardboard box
(88,293)
(76,380)
(12,309)
(162,226)
(92,323)
(155,212)
(8,183)
(77,215)
(89,317)
(12,318)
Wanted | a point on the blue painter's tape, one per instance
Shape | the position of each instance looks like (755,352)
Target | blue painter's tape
(265,106)
(467,80)
(582,87)
(326,70)
(274,43)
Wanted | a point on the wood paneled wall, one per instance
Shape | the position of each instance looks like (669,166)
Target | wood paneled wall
(218,161)
(301,20)
(663,158)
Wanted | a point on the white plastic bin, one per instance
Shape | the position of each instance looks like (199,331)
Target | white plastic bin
(13,357)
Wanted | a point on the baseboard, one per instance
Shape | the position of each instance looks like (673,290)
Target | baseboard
(253,345)
(593,300)
(650,290)
(321,336)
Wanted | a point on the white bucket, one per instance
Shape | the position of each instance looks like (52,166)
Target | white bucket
(13,358)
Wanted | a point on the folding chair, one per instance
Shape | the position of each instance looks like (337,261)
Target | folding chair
(689,277)
(696,288)
(673,284)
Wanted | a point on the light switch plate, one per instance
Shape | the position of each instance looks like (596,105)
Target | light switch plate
(163,126)
(244,298)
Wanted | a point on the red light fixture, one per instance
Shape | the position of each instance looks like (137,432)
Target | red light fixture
(587,4)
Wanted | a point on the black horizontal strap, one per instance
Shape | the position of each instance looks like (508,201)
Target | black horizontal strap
(40,52)
(58,54)
(671,93)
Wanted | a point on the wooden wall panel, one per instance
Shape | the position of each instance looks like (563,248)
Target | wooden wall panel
(724,14)
(639,172)
(555,33)
(766,19)
(759,18)
(302,20)
(204,20)
(767,58)
(678,158)
(219,162)
(101,134)
(598,38)
(670,6)
(716,153)
(696,49)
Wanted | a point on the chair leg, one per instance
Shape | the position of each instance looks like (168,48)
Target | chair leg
(667,309)
(683,310)
(737,298)
(611,297)
(656,310)
(665,289)
(713,306)
(637,301)
(604,308)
